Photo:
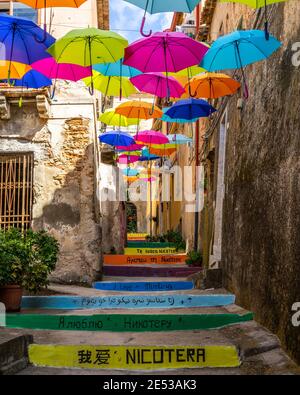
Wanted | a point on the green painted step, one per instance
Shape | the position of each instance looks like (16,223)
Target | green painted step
(125,322)
(144,244)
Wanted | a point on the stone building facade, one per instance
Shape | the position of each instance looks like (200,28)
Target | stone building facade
(61,135)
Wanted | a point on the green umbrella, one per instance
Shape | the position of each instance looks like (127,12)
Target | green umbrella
(86,47)
(256,4)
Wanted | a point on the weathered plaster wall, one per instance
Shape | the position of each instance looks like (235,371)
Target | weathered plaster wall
(261,244)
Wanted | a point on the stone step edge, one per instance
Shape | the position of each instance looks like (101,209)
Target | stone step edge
(143,286)
(14,357)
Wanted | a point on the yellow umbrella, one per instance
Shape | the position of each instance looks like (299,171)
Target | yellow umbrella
(111,86)
(111,118)
(13,70)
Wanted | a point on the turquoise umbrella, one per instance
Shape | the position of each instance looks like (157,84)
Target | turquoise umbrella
(158,6)
(117,69)
(130,172)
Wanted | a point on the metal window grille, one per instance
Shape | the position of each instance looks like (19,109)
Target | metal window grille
(16,186)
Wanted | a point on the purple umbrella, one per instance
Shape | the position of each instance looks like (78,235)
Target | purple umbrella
(165,52)
(158,84)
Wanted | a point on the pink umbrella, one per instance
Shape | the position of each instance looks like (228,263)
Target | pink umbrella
(152,179)
(151,137)
(158,84)
(165,52)
(64,71)
(126,159)
(132,147)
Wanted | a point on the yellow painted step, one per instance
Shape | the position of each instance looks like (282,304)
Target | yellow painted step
(150,251)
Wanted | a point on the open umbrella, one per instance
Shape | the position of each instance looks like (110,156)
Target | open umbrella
(239,49)
(257,4)
(20,41)
(111,118)
(149,137)
(190,109)
(117,69)
(212,86)
(127,159)
(116,138)
(164,150)
(130,172)
(64,71)
(15,70)
(167,119)
(86,47)
(158,6)
(32,79)
(139,110)
(158,85)
(130,148)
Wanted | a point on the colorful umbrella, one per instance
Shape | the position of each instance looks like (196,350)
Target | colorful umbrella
(86,47)
(116,138)
(117,69)
(16,70)
(130,172)
(239,49)
(212,86)
(190,109)
(167,119)
(151,137)
(147,156)
(179,139)
(65,71)
(165,52)
(163,151)
(32,79)
(158,6)
(130,148)
(112,119)
(149,179)
(110,86)
(139,110)
(257,4)
(158,85)
(127,159)
(20,40)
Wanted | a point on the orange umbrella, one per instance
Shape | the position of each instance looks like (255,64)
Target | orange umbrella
(13,70)
(52,3)
(129,180)
(163,151)
(139,110)
(212,86)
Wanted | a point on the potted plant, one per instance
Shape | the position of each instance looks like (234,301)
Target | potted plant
(194,259)
(26,260)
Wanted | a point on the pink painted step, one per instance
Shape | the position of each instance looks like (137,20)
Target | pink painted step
(140,271)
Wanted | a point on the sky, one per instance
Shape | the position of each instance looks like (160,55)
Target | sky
(126,19)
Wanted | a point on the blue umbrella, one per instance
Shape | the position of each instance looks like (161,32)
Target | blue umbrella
(179,139)
(158,6)
(32,79)
(130,172)
(146,156)
(239,49)
(190,109)
(23,41)
(116,138)
(165,118)
(117,69)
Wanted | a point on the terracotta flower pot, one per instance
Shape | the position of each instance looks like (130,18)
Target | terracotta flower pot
(11,296)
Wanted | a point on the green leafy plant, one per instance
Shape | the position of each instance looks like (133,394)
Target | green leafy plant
(169,237)
(27,259)
(194,258)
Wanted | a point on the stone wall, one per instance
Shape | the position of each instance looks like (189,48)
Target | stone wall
(261,244)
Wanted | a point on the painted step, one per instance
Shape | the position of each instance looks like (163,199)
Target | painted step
(137,236)
(133,357)
(150,251)
(153,286)
(126,302)
(144,260)
(125,322)
(140,271)
(144,244)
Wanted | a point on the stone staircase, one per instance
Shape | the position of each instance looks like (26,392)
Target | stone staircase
(130,325)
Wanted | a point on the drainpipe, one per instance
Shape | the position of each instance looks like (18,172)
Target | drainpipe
(197,158)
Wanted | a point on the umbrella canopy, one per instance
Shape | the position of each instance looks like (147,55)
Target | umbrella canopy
(139,110)
(130,172)
(164,52)
(179,139)
(127,159)
(239,49)
(149,179)
(110,86)
(89,46)
(158,84)
(112,119)
(33,79)
(151,137)
(190,109)
(163,151)
(65,71)
(15,70)
(129,180)
(117,69)
(22,40)
(52,3)
(157,6)
(165,118)
(212,86)
(130,148)
(116,138)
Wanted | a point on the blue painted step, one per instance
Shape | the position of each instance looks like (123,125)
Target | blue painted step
(144,286)
(125,301)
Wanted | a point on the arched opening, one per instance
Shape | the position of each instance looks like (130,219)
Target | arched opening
(131,212)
